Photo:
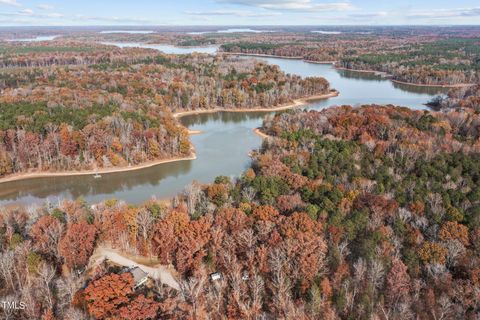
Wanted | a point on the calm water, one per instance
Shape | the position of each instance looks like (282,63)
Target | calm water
(36,39)
(128,31)
(232,30)
(221,150)
(166,48)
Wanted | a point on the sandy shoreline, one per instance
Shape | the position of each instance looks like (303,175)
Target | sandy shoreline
(320,62)
(193,156)
(36,175)
(459,85)
(259,133)
(379,73)
(294,104)
(258,55)
(194,132)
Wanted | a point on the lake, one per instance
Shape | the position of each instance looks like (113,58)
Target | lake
(127,31)
(222,148)
(166,48)
(36,39)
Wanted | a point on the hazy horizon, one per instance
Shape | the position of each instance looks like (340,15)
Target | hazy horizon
(238,13)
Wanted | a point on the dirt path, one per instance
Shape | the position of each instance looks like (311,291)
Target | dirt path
(158,272)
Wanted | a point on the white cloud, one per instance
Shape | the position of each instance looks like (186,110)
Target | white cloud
(445,13)
(54,15)
(236,13)
(115,20)
(26,12)
(45,6)
(368,15)
(10,3)
(30,14)
(300,5)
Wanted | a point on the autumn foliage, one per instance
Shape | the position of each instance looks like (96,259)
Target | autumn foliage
(78,243)
(106,296)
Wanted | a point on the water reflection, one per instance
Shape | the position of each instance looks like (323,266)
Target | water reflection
(221,117)
(349,74)
(87,186)
(420,89)
(222,148)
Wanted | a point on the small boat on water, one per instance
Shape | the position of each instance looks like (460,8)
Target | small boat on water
(97,176)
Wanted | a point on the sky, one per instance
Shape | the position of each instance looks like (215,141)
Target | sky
(238,12)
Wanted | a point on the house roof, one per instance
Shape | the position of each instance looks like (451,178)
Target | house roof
(138,274)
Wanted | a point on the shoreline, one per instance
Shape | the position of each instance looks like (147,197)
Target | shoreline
(37,175)
(387,76)
(259,55)
(382,74)
(259,133)
(377,73)
(320,62)
(459,85)
(194,132)
(275,56)
(296,103)
(193,156)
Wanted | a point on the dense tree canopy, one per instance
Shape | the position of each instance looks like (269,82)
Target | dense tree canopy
(98,108)
(421,56)
(345,213)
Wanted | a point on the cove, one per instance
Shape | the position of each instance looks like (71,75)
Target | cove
(222,148)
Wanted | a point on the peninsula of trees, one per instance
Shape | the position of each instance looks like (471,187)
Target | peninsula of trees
(421,56)
(459,98)
(72,106)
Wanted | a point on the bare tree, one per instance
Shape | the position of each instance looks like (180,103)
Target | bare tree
(376,273)
(249,194)
(436,204)
(51,235)
(191,289)
(46,274)
(444,308)
(66,288)
(9,313)
(7,265)
(145,222)
(74,314)
(455,250)
(192,193)
(281,285)
(257,289)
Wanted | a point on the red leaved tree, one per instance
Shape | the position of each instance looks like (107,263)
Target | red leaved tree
(104,297)
(140,308)
(77,245)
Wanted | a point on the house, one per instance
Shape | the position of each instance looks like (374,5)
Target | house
(139,276)
(216,276)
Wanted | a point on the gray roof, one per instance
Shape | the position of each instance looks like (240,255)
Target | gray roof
(138,274)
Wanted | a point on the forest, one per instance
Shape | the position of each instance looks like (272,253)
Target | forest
(349,212)
(425,55)
(418,58)
(67,107)
(458,98)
